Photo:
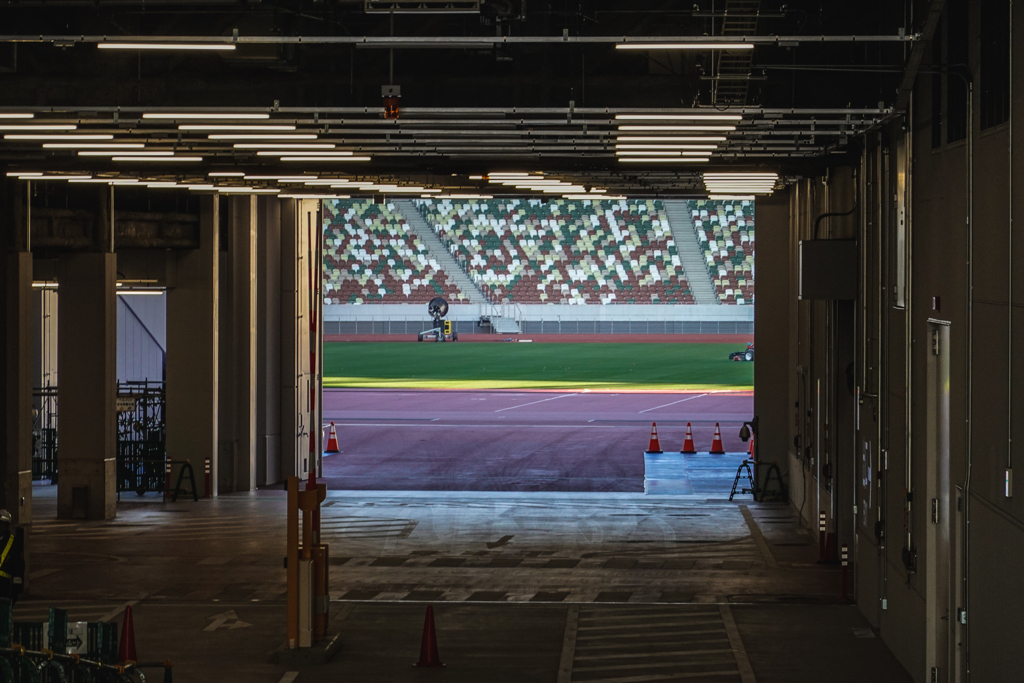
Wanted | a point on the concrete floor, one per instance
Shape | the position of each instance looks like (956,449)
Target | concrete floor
(527,586)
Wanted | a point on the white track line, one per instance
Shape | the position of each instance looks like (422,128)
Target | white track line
(521,405)
(673,403)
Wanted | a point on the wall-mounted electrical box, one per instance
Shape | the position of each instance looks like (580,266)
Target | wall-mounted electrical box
(828,270)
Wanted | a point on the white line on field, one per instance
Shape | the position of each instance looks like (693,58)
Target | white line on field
(289,677)
(553,398)
(690,398)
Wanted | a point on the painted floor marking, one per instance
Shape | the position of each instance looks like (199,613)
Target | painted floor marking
(742,661)
(289,677)
(569,645)
(683,400)
(543,400)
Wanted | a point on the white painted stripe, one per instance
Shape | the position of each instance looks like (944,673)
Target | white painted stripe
(659,634)
(289,677)
(665,677)
(568,645)
(755,531)
(110,615)
(742,661)
(653,626)
(643,655)
(683,400)
(729,664)
(543,400)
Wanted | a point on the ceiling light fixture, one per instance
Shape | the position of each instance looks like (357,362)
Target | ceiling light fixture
(731,198)
(655,153)
(652,159)
(93,145)
(39,126)
(656,146)
(12,115)
(283,145)
(232,127)
(306,158)
(157,159)
(145,152)
(681,129)
(21,136)
(673,138)
(114,45)
(262,136)
(308,154)
(685,46)
(211,116)
(314,196)
(678,117)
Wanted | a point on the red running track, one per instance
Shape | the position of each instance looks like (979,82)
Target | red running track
(403,439)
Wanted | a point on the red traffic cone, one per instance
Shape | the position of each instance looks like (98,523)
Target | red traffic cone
(126,647)
(750,451)
(655,446)
(716,444)
(688,446)
(332,441)
(428,647)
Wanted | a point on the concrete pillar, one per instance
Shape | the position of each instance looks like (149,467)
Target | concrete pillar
(16,491)
(238,349)
(192,345)
(297,219)
(87,387)
(772,333)
(268,341)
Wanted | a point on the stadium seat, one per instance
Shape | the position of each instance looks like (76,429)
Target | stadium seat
(562,251)
(371,257)
(725,231)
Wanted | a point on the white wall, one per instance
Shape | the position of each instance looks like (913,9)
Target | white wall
(141,337)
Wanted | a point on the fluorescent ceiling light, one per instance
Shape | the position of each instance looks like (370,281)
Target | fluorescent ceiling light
(238,117)
(656,146)
(162,184)
(247,190)
(231,127)
(87,179)
(325,158)
(678,117)
(225,174)
(56,177)
(283,145)
(200,186)
(472,177)
(309,154)
(140,292)
(296,178)
(157,159)
(22,174)
(93,145)
(593,196)
(682,159)
(677,128)
(671,138)
(164,46)
(314,196)
(732,198)
(262,136)
(39,126)
(20,137)
(685,46)
(463,196)
(145,152)
(4,115)
(655,153)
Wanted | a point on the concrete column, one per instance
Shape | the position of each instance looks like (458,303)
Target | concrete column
(297,218)
(192,345)
(16,491)
(238,344)
(772,334)
(87,387)
(268,341)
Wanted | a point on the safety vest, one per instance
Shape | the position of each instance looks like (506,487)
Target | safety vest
(3,556)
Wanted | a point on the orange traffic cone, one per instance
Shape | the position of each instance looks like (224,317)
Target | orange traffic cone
(655,446)
(126,647)
(716,443)
(688,446)
(332,441)
(428,647)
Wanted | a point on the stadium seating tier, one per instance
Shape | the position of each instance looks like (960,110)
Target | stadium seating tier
(725,230)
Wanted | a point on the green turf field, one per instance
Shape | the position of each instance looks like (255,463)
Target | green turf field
(636,367)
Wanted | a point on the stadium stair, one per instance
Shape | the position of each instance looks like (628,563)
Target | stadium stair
(414,220)
(690,254)
(502,325)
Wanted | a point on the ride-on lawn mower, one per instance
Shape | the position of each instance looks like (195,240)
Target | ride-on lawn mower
(442,329)
(747,355)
